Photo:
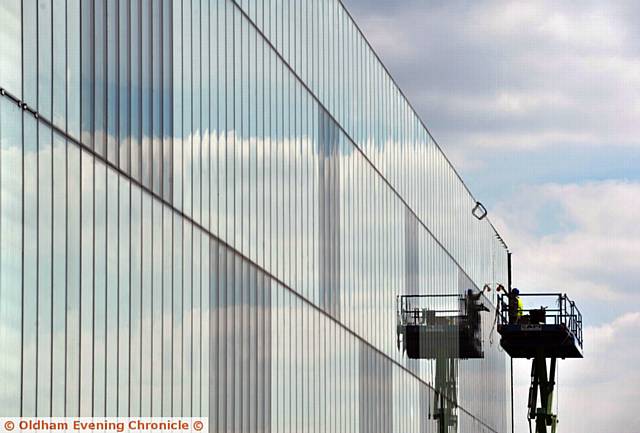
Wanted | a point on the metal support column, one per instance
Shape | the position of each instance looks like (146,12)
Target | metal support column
(509,284)
(542,384)
(444,409)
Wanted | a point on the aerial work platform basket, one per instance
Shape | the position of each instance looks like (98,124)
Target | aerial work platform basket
(427,332)
(552,331)
(444,328)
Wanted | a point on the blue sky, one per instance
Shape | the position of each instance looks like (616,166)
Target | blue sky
(538,106)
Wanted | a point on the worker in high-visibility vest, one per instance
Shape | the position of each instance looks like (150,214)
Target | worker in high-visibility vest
(515,306)
(520,306)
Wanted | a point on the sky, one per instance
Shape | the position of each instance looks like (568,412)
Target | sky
(537,104)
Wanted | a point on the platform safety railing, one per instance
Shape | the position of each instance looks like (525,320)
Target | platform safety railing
(414,309)
(564,312)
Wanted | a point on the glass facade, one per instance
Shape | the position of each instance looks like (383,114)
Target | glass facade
(208,208)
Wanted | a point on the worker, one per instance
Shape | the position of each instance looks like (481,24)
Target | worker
(474,298)
(515,306)
(473,304)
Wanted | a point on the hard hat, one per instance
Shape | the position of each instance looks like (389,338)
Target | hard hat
(516,291)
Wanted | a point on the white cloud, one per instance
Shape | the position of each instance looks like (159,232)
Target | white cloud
(474,144)
(503,75)
(593,25)
(583,239)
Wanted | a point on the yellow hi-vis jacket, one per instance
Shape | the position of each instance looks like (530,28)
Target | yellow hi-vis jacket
(520,307)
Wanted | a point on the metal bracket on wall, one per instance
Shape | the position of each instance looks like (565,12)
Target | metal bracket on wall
(23,105)
(479,211)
